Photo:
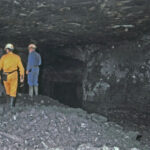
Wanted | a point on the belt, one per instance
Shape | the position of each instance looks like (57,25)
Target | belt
(10,72)
(35,66)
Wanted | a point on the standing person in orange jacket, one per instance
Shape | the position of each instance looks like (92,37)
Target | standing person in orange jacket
(10,63)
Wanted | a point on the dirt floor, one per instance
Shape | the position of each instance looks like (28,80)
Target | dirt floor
(129,118)
(42,123)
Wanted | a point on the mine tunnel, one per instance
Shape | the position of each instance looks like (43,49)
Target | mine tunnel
(95,53)
(63,76)
(60,75)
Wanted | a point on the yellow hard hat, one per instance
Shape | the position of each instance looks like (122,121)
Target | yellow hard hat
(9,46)
(32,46)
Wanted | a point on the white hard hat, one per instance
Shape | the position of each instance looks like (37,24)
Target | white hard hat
(32,46)
(9,46)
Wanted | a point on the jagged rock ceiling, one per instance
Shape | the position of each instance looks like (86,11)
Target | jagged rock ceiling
(61,22)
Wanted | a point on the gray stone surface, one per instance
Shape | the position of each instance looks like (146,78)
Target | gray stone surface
(100,45)
(60,128)
(67,21)
(99,49)
(118,75)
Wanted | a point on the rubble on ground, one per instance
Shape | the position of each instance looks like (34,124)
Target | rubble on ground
(51,127)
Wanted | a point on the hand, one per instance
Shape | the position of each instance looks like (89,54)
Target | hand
(21,79)
(27,72)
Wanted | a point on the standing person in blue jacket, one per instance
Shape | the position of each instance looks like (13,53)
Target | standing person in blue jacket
(34,61)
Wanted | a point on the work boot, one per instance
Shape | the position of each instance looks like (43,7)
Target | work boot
(7,97)
(31,91)
(12,102)
(36,90)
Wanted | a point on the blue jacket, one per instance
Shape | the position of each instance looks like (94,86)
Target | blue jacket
(34,60)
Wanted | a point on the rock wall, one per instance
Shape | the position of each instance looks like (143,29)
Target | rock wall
(86,42)
(118,75)
(72,21)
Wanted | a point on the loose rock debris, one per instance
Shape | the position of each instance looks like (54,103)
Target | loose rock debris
(39,127)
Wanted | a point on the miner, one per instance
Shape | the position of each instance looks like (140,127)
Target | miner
(9,64)
(34,61)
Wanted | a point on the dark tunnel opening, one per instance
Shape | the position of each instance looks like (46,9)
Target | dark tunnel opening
(63,71)
(65,93)
(61,76)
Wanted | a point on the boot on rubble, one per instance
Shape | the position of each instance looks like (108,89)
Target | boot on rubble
(7,97)
(12,102)
(31,91)
(36,90)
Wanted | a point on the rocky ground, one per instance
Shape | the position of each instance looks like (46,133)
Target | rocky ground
(42,123)
(129,118)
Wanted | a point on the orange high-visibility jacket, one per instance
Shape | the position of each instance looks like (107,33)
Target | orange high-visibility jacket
(8,63)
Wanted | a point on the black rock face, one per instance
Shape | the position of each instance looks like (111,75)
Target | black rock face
(96,50)
(72,21)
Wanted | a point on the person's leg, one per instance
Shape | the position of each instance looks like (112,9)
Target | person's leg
(2,90)
(7,91)
(31,91)
(36,90)
(13,90)
(7,87)
(36,84)
(13,87)
(30,83)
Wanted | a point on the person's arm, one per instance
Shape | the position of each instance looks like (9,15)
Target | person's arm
(40,60)
(21,70)
(1,63)
(29,62)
